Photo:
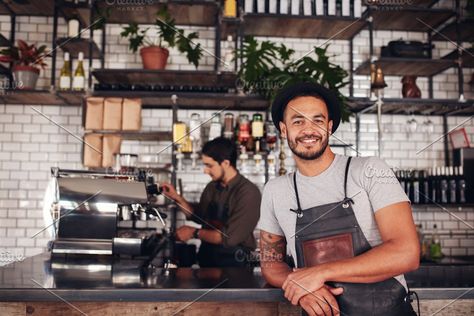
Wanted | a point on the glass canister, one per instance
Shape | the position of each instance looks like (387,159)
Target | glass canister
(257,126)
(271,135)
(195,127)
(244,129)
(229,125)
(216,126)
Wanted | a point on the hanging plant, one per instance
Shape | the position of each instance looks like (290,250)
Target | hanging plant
(267,67)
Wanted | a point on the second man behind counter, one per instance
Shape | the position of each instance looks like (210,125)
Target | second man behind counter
(229,209)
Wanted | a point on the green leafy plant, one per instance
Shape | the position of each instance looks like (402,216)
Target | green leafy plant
(167,33)
(267,67)
(25,55)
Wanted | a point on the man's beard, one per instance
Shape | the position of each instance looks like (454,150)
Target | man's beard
(220,178)
(309,155)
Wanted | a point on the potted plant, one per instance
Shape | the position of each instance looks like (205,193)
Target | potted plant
(267,67)
(153,52)
(26,61)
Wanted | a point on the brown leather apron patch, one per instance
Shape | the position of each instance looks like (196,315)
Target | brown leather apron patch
(327,249)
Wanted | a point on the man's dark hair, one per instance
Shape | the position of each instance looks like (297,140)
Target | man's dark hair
(221,149)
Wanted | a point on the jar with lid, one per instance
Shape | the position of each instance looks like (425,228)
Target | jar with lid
(216,126)
(229,125)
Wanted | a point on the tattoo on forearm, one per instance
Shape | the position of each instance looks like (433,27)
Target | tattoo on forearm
(273,248)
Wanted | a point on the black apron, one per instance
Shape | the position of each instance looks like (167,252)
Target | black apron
(212,255)
(331,232)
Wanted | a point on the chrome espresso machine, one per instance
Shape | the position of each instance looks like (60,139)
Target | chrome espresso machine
(102,214)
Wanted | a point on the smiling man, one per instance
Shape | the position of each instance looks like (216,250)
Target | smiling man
(228,209)
(351,232)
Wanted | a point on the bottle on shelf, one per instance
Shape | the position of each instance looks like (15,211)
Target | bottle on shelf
(443,182)
(243,139)
(179,138)
(461,185)
(215,129)
(229,126)
(424,187)
(434,185)
(271,135)
(230,8)
(435,246)
(195,137)
(79,79)
(257,136)
(452,185)
(416,187)
(65,74)
(73,27)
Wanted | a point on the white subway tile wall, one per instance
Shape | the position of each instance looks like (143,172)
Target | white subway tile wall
(30,145)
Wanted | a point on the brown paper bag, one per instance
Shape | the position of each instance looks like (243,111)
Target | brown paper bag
(110,147)
(131,114)
(93,150)
(113,114)
(94,113)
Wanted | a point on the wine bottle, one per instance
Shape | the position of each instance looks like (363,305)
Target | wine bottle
(65,74)
(461,185)
(416,187)
(435,247)
(452,186)
(443,186)
(425,186)
(78,81)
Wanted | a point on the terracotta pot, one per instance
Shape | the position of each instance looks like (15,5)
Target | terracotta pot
(409,87)
(154,57)
(25,77)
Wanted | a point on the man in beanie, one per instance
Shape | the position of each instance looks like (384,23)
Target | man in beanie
(345,221)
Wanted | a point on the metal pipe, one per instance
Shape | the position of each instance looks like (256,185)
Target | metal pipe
(55,37)
(445,140)
(459,46)
(91,42)
(351,67)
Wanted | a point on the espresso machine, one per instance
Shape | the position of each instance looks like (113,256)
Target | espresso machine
(106,214)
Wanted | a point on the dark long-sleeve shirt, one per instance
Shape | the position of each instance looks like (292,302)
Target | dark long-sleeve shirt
(233,209)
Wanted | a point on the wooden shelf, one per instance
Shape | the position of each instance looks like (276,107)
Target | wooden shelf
(75,45)
(448,32)
(282,25)
(423,3)
(144,77)
(192,100)
(407,66)
(138,135)
(30,7)
(4,42)
(467,57)
(415,106)
(407,19)
(196,13)
(41,97)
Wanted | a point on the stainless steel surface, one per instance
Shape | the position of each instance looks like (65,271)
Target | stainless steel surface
(127,246)
(82,246)
(104,279)
(89,209)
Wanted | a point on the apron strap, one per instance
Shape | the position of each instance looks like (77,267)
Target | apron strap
(345,177)
(299,210)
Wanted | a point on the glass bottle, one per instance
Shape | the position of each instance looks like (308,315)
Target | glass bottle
(65,74)
(79,79)
(216,126)
(257,130)
(229,125)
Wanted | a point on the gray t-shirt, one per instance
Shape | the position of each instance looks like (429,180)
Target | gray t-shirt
(370,183)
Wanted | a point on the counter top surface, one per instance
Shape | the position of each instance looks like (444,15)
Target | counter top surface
(40,279)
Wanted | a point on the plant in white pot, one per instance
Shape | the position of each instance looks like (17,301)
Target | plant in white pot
(153,52)
(26,61)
